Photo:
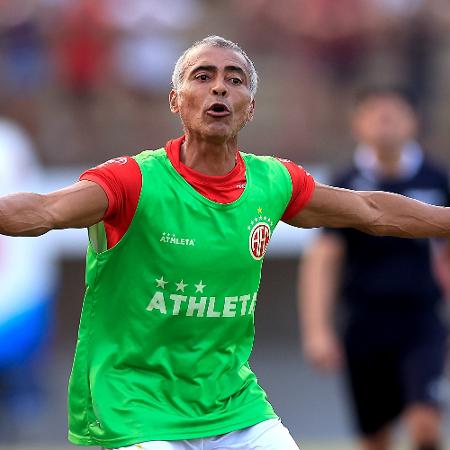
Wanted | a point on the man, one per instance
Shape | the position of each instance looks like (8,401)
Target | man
(393,338)
(174,262)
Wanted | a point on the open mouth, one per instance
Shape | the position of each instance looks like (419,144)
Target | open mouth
(218,110)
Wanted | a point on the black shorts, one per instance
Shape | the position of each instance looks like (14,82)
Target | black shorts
(393,362)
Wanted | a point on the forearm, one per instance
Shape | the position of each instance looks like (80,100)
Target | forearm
(318,284)
(399,216)
(77,206)
(316,299)
(24,214)
(374,212)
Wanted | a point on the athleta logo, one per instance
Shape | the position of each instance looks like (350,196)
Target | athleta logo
(260,231)
(181,298)
(170,238)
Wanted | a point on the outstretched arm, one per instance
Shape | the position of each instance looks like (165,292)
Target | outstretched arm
(373,212)
(77,206)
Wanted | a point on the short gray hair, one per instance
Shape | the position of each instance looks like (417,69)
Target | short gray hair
(213,41)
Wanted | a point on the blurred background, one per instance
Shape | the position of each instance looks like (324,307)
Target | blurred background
(82,81)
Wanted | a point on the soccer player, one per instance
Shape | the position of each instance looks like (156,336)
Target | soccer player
(177,238)
(393,338)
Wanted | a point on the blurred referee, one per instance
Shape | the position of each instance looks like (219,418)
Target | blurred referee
(393,336)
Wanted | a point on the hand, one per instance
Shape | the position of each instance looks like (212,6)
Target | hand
(323,349)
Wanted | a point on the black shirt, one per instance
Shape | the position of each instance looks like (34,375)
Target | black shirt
(385,273)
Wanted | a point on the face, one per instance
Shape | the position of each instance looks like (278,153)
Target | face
(214,100)
(384,122)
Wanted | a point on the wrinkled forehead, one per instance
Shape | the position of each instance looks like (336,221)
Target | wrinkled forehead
(206,55)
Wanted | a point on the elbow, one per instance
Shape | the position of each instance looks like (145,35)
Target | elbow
(372,220)
(382,218)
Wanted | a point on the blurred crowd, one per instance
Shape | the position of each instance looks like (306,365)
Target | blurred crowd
(77,73)
(89,78)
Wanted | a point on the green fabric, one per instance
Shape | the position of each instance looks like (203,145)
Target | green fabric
(167,324)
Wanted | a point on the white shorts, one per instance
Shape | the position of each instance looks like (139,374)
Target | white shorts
(268,435)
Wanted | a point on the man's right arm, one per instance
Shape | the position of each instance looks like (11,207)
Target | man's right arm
(319,274)
(25,214)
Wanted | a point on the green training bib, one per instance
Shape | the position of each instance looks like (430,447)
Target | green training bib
(167,324)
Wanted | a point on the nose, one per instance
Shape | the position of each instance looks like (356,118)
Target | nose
(220,88)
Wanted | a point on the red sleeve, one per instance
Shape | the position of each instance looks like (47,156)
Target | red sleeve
(121,180)
(303,185)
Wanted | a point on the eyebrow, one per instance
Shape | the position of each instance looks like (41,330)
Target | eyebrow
(211,68)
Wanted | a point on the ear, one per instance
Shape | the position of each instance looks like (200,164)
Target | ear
(251,110)
(173,101)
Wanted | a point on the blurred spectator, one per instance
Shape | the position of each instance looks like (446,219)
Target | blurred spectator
(328,47)
(150,39)
(25,307)
(329,32)
(83,46)
(22,51)
(393,336)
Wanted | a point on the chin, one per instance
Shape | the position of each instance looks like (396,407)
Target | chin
(219,133)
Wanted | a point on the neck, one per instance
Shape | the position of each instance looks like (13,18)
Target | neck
(215,158)
(389,160)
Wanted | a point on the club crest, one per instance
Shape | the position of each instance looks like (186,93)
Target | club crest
(260,232)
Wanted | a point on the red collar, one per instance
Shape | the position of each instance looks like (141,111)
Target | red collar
(173,148)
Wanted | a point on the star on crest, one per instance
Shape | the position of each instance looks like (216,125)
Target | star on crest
(181,285)
(160,282)
(260,218)
(200,286)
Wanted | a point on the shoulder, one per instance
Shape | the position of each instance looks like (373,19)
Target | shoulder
(269,173)
(147,156)
(115,168)
(252,158)
(434,176)
(269,162)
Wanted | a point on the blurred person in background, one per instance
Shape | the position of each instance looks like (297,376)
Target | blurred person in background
(24,62)
(82,47)
(150,37)
(22,49)
(393,338)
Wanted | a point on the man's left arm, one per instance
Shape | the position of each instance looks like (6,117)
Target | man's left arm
(373,212)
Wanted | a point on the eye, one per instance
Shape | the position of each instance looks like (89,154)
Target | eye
(236,81)
(202,77)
